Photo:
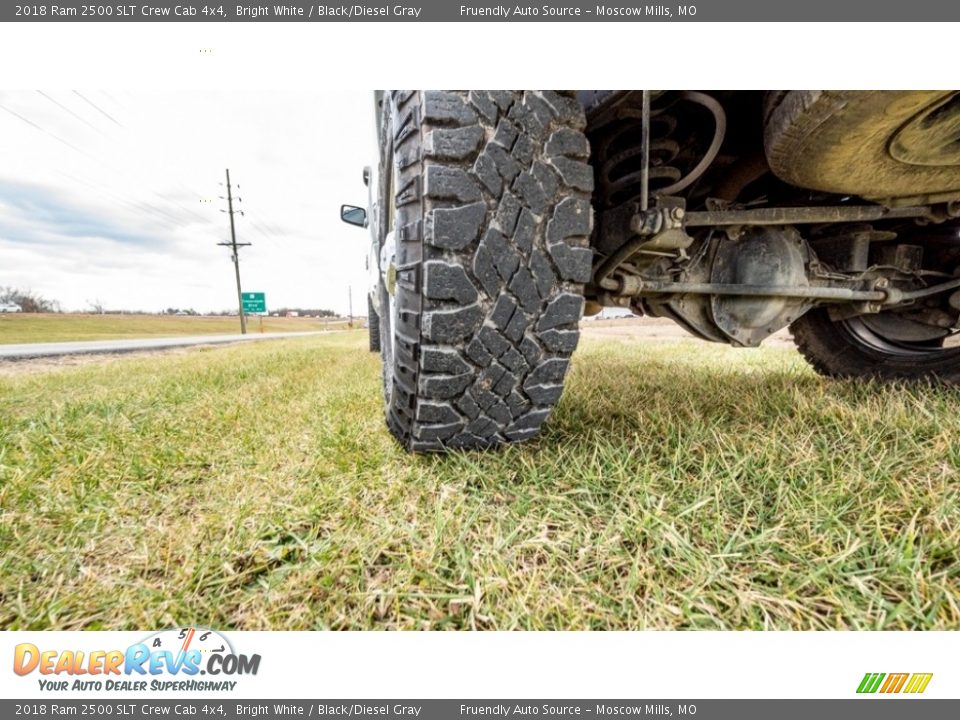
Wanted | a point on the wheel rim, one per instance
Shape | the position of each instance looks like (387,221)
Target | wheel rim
(875,340)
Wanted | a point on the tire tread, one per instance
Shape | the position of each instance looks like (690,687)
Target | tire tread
(500,291)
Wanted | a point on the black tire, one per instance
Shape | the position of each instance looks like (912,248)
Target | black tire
(492,224)
(373,326)
(851,349)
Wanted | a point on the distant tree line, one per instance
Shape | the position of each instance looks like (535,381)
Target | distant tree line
(32,302)
(29,301)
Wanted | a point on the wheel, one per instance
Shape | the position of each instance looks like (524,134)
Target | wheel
(896,147)
(485,226)
(884,347)
(373,326)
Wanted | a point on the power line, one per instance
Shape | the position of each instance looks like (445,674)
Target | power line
(243,213)
(265,224)
(270,226)
(137,205)
(45,132)
(98,108)
(71,112)
(112,99)
(264,233)
(177,215)
(189,212)
(176,220)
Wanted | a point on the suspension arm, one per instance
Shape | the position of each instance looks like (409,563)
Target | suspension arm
(632,285)
(801,215)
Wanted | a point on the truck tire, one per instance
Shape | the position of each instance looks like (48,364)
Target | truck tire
(373,326)
(858,348)
(487,197)
(895,147)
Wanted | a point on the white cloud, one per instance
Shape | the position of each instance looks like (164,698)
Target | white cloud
(114,196)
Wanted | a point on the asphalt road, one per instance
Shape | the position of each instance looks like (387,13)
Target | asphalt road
(90,347)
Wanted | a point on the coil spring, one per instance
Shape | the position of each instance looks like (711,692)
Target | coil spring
(621,165)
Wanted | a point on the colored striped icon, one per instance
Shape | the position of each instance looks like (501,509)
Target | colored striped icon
(894,683)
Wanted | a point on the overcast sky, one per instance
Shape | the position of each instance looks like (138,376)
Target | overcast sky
(113,196)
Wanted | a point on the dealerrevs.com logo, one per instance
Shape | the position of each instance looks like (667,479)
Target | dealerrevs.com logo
(168,660)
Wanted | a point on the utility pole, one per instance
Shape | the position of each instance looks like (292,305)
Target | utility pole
(233,245)
(350,300)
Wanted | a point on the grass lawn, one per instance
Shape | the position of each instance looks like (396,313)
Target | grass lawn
(62,327)
(678,485)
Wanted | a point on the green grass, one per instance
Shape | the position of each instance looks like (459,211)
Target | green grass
(62,327)
(677,486)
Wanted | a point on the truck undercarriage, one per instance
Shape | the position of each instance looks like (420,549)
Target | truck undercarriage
(499,218)
(693,223)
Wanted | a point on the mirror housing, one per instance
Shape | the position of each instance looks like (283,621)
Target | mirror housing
(353,215)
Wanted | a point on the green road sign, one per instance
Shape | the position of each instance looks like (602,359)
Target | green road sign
(254,302)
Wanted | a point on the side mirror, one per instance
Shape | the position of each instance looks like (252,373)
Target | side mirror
(353,215)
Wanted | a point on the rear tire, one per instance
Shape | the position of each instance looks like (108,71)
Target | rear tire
(850,349)
(896,147)
(373,326)
(491,219)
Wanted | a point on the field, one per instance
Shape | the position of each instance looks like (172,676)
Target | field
(58,327)
(678,485)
